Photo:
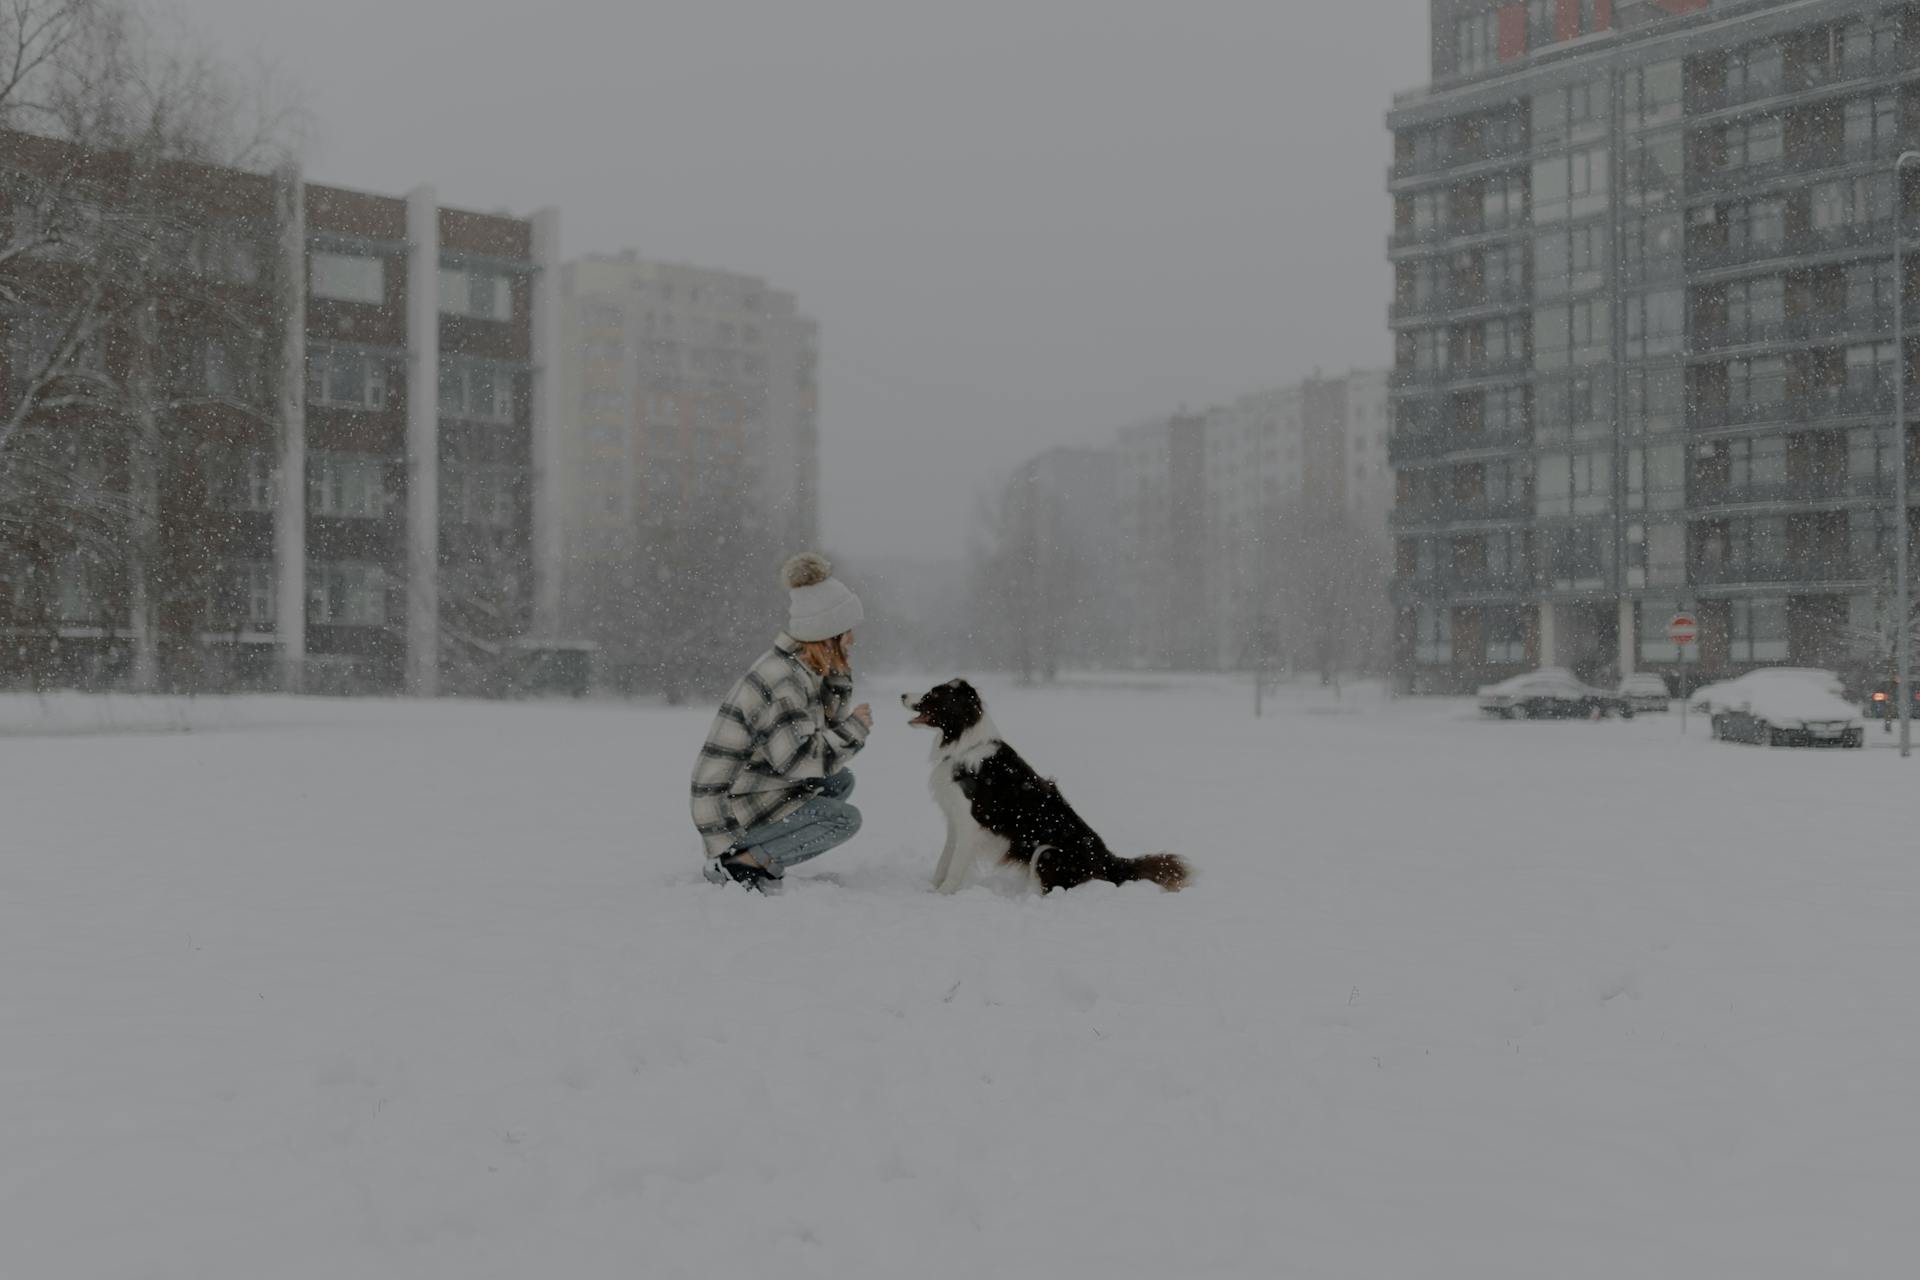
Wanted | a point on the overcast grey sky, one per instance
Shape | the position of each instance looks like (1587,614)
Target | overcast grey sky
(1019,222)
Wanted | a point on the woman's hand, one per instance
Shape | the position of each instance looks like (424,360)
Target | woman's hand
(864,714)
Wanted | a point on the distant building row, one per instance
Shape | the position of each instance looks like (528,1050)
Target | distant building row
(1220,539)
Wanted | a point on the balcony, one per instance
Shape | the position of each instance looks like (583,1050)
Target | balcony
(1802,81)
(1459,155)
(1828,406)
(1806,490)
(1451,304)
(1458,234)
(1463,584)
(1441,438)
(1807,244)
(1810,569)
(1811,326)
(1457,511)
(1811,78)
(1505,368)
(1806,159)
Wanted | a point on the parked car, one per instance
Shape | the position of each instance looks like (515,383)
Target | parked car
(1551,693)
(1883,703)
(1729,693)
(1783,707)
(1645,691)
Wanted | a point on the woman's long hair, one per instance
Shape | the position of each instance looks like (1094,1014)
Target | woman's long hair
(827,657)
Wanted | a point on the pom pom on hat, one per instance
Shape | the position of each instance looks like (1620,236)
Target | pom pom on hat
(806,570)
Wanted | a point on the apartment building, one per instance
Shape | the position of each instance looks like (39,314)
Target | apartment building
(329,405)
(685,389)
(1225,515)
(1644,353)
(1060,538)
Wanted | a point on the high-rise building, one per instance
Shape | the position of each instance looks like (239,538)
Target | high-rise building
(1643,311)
(1058,561)
(326,415)
(686,390)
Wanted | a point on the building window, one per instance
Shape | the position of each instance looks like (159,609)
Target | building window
(223,366)
(478,493)
(1757,380)
(1478,43)
(1577,333)
(1570,186)
(1655,400)
(1759,141)
(479,295)
(239,479)
(242,596)
(1870,366)
(1574,484)
(1433,635)
(1653,94)
(1865,41)
(1503,203)
(1579,559)
(347,595)
(1656,323)
(79,588)
(1757,630)
(346,485)
(1757,222)
(1753,306)
(1870,120)
(477,390)
(1656,478)
(345,277)
(1757,71)
(1654,167)
(1506,635)
(341,378)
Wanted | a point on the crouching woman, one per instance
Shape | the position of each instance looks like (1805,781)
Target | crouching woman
(770,787)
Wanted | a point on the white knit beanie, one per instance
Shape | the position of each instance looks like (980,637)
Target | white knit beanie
(822,606)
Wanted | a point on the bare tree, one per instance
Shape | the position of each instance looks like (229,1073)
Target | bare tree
(113,127)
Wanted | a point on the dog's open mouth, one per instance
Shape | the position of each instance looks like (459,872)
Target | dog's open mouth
(920,719)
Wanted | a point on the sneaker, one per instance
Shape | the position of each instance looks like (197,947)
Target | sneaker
(727,868)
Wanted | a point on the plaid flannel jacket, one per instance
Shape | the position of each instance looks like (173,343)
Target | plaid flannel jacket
(781,727)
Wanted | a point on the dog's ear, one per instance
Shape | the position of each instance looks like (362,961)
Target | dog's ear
(968,700)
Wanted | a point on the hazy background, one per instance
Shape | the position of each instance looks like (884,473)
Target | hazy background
(1020,222)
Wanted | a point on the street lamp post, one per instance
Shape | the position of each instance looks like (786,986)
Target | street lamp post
(1903,604)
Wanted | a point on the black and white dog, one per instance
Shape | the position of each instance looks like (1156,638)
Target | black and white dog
(999,809)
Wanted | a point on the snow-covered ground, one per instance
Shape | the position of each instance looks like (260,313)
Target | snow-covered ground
(399,990)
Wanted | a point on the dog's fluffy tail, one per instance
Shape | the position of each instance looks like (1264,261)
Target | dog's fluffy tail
(1168,870)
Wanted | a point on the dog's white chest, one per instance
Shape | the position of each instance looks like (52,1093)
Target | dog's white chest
(970,846)
(947,794)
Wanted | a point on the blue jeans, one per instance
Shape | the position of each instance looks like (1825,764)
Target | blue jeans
(826,821)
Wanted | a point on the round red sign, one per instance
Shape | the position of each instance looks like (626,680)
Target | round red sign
(1683,629)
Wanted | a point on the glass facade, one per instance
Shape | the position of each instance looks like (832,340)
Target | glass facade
(1651,284)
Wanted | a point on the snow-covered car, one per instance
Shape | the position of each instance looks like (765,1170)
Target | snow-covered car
(1784,707)
(1645,691)
(1551,693)
(1711,698)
